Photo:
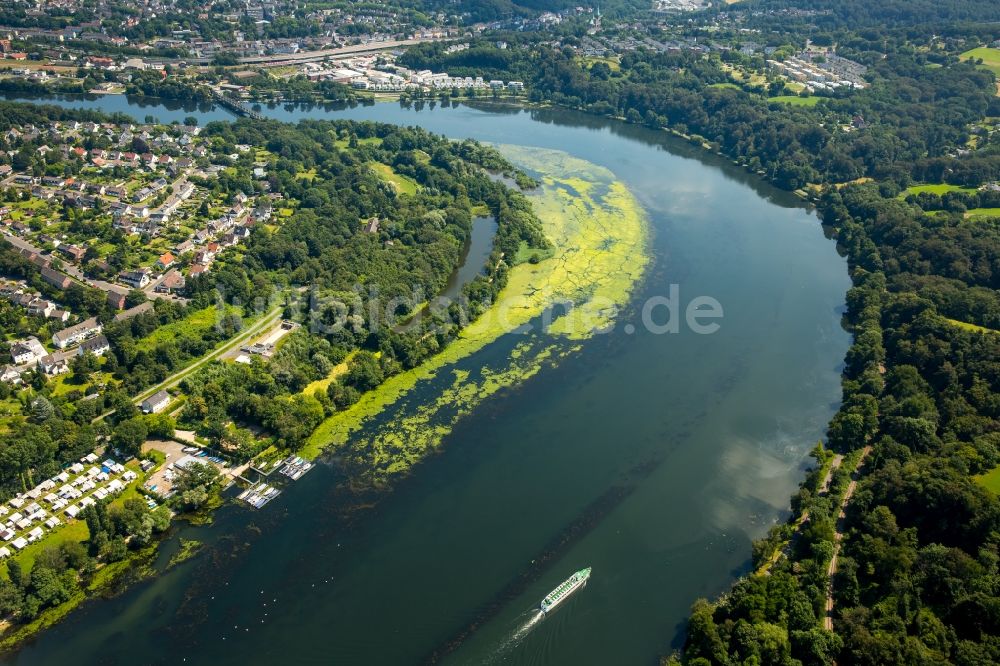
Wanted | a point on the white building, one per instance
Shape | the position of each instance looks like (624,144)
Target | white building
(26,351)
(78,333)
(156,402)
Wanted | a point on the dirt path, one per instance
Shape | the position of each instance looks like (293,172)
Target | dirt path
(838,536)
(834,466)
(824,488)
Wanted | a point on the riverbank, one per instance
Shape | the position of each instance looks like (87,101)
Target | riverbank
(132,569)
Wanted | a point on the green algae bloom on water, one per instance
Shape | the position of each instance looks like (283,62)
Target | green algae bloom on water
(598,234)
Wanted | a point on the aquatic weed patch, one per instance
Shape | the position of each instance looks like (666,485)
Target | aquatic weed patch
(599,239)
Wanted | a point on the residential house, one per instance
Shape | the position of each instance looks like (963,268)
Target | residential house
(96,345)
(156,402)
(172,282)
(58,315)
(39,307)
(55,278)
(262,213)
(26,351)
(137,279)
(160,217)
(116,299)
(165,261)
(72,252)
(134,311)
(55,364)
(78,333)
(10,375)
(120,210)
(148,228)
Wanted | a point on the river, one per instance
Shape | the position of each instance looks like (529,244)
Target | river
(655,459)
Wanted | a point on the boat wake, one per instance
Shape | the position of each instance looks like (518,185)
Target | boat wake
(526,623)
(528,626)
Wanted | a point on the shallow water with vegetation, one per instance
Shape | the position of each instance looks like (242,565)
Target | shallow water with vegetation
(655,459)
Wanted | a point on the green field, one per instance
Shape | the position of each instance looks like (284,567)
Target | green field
(403,184)
(336,371)
(795,100)
(63,384)
(939,189)
(971,327)
(525,253)
(370,141)
(10,410)
(75,530)
(990,58)
(731,86)
(587,61)
(193,325)
(980,213)
(990,480)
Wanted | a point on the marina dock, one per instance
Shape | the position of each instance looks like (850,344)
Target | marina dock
(295,467)
(258,495)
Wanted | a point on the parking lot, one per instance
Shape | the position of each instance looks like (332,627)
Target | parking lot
(161,481)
